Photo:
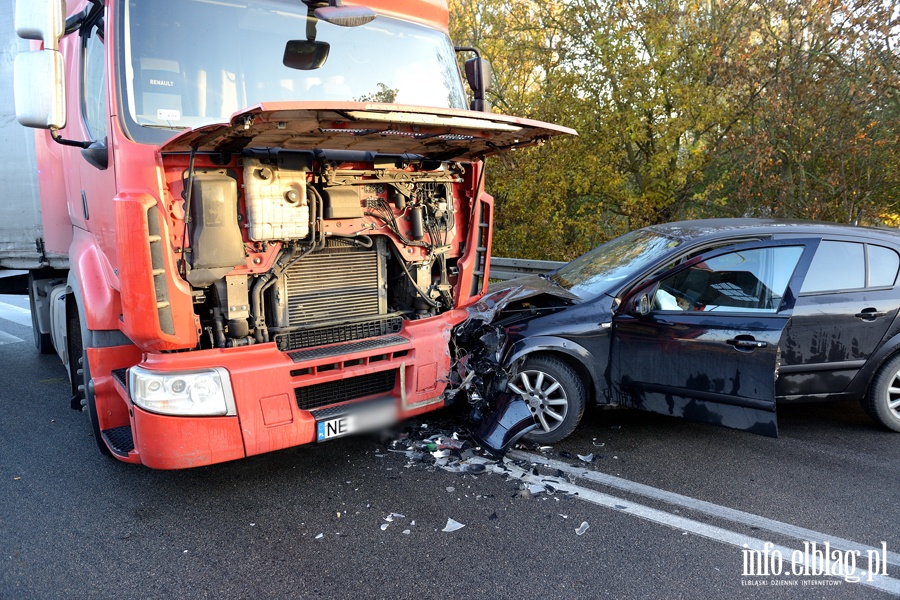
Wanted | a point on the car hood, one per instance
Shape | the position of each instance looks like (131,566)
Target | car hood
(431,133)
(501,295)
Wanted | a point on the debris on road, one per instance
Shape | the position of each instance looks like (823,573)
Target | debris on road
(582,528)
(452,526)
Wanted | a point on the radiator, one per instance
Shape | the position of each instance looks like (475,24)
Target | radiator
(336,283)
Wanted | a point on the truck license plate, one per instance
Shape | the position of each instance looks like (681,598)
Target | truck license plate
(372,417)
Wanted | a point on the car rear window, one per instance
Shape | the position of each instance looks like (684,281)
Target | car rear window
(841,266)
(883,266)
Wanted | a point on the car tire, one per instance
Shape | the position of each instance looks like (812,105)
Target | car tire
(883,400)
(555,394)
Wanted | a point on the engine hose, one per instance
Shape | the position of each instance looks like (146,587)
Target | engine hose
(363,241)
(422,294)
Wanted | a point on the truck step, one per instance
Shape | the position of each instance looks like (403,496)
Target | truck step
(119,440)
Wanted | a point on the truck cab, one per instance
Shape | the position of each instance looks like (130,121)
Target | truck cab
(272,214)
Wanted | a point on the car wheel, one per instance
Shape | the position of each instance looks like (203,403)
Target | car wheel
(554,393)
(883,400)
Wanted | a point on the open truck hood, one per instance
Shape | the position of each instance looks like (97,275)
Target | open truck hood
(432,133)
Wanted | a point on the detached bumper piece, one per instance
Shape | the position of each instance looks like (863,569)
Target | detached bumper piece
(508,420)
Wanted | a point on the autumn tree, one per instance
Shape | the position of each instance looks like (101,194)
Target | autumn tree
(687,109)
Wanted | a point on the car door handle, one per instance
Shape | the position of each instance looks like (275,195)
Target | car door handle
(869,314)
(746,342)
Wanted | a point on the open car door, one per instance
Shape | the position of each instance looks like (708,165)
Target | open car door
(701,340)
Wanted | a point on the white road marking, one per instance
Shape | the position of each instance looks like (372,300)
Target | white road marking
(745,542)
(715,510)
(16,314)
(6,338)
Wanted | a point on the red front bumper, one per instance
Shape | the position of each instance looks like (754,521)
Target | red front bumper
(277,394)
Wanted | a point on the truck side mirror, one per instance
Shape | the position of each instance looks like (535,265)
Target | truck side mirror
(305,55)
(40,89)
(42,20)
(39,78)
(480,76)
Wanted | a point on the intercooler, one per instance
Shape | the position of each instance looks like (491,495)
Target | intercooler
(328,295)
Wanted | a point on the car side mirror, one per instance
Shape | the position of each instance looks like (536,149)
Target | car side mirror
(642,306)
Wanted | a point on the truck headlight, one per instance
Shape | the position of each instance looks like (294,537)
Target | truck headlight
(204,392)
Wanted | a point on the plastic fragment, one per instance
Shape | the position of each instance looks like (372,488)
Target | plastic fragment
(535,488)
(384,526)
(390,518)
(320,536)
(406,532)
(472,468)
(451,489)
(545,448)
(452,526)
(599,444)
(621,507)
(582,528)
(586,457)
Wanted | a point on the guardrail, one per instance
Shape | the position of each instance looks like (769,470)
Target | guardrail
(510,268)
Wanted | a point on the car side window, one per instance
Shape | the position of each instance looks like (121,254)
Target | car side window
(94,85)
(745,280)
(883,266)
(836,266)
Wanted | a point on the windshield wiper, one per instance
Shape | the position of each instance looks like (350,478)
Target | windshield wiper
(175,127)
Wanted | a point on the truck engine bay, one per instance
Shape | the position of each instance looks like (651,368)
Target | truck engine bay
(313,248)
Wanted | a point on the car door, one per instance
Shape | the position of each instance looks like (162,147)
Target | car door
(842,314)
(701,340)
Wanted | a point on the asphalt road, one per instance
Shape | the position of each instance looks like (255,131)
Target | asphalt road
(668,505)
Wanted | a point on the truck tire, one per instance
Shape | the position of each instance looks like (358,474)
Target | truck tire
(81,376)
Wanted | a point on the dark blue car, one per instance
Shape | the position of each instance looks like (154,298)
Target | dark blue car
(711,320)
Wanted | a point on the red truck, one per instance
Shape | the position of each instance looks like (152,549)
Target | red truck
(255,222)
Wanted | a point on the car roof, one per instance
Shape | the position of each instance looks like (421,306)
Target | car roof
(718,228)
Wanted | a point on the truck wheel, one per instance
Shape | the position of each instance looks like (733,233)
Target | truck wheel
(554,393)
(883,399)
(42,341)
(81,377)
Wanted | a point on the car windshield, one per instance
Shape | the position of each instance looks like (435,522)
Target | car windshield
(602,268)
(187,63)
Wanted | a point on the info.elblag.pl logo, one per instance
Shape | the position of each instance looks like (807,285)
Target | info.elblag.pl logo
(814,561)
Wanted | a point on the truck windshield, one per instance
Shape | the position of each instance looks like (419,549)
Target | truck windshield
(186,63)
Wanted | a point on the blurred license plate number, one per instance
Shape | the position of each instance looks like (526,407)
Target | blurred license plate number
(366,420)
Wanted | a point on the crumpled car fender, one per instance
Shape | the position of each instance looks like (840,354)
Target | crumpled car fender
(519,351)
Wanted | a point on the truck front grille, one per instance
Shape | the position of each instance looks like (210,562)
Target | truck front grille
(346,332)
(334,392)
